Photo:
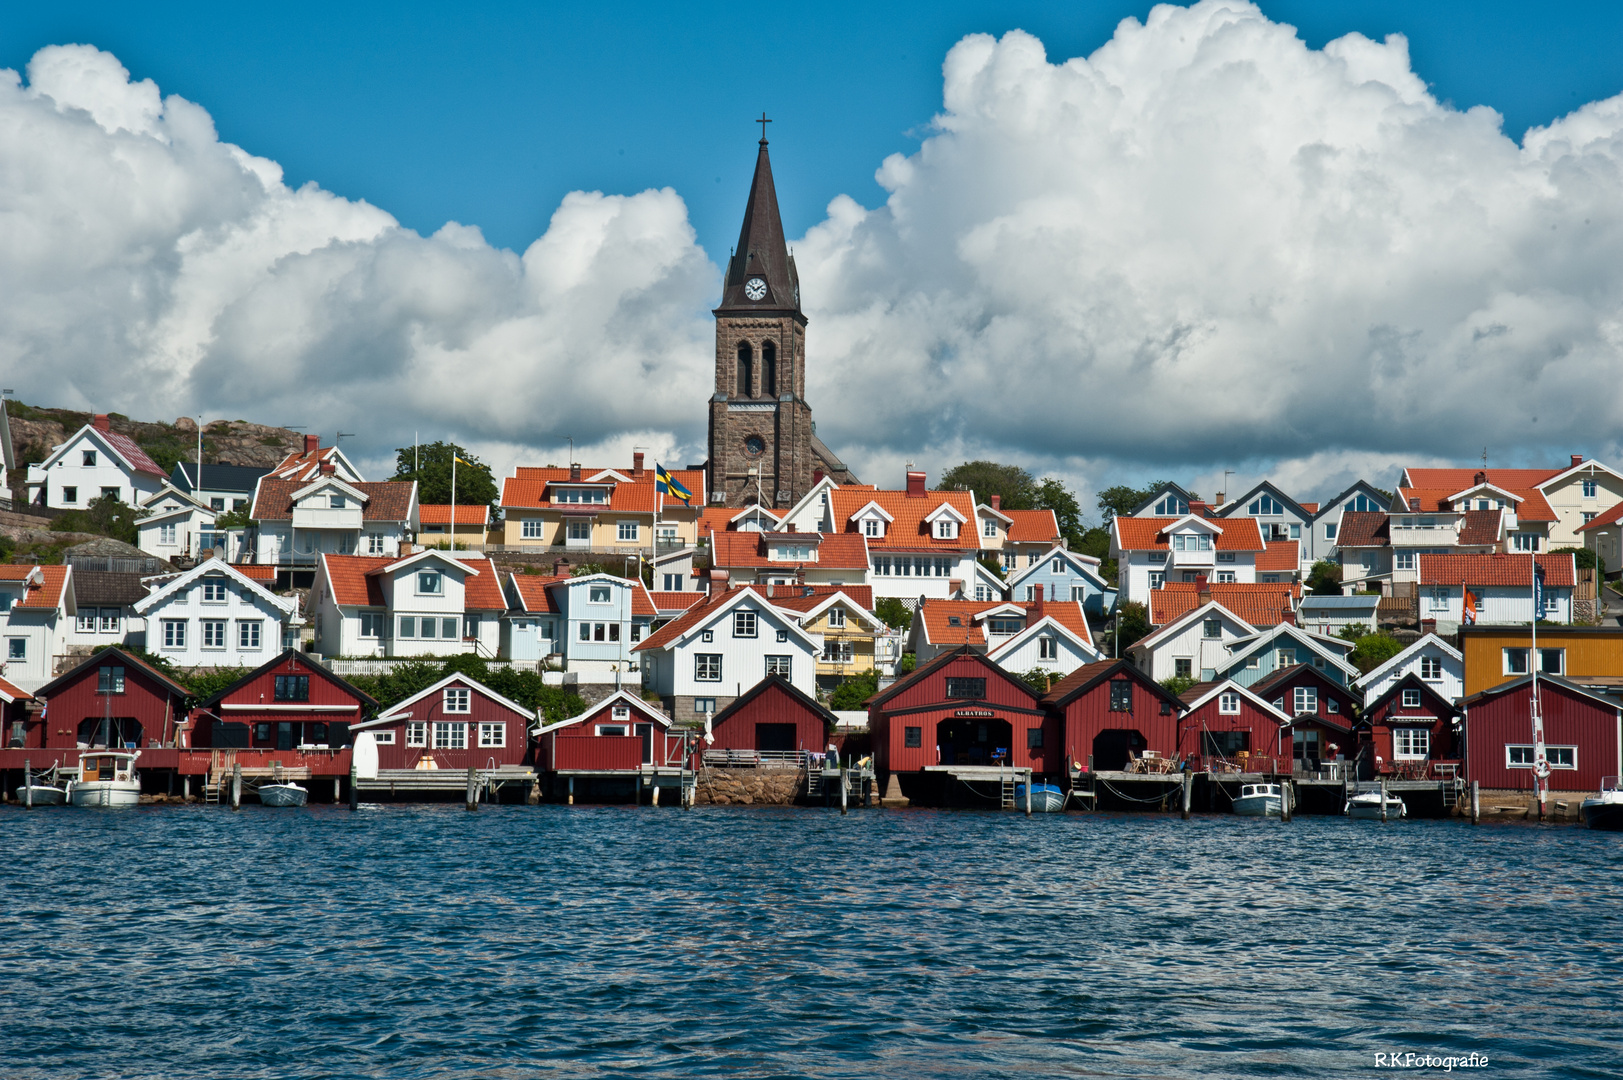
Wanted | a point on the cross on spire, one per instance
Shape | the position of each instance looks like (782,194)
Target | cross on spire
(763,121)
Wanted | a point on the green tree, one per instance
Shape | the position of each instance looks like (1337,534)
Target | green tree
(993,565)
(1583,558)
(1177,684)
(1053,495)
(233,519)
(1123,500)
(1040,679)
(1370,651)
(207,684)
(851,693)
(106,515)
(893,614)
(1016,487)
(432,471)
(1132,623)
(1324,578)
(1096,542)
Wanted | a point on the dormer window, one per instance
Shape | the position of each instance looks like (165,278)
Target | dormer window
(1172,506)
(598,594)
(946,529)
(955,620)
(873,527)
(335,502)
(1265,506)
(1003,627)
(1192,541)
(794,553)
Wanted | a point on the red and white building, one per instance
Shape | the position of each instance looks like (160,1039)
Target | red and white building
(1583,735)
(1152,551)
(458,723)
(921,544)
(1499,588)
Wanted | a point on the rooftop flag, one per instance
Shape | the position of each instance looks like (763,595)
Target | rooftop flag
(666,484)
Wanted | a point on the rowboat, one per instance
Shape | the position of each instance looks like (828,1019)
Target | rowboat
(1045,798)
(282,795)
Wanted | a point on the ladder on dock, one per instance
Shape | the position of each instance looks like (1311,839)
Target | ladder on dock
(211,790)
(1007,792)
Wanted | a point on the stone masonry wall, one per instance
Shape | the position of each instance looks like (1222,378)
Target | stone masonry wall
(748,787)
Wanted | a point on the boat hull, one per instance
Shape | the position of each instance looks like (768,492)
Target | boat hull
(1370,809)
(1257,806)
(283,795)
(44,795)
(105,793)
(1603,814)
(1045,798)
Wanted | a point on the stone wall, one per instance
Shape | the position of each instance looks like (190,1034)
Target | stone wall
(748,787)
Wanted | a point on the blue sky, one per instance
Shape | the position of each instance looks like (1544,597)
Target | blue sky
(487,114)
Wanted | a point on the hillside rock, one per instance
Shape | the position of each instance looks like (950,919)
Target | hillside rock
(36,431)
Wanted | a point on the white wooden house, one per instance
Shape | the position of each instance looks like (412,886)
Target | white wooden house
(213,615)
(94,462)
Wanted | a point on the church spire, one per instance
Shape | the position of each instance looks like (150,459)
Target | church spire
(761,275)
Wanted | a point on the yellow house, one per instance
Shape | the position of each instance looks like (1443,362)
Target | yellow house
(602,511)
(842,616)
(1590,656)
(469,531)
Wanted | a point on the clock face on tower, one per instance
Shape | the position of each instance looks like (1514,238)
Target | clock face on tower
(755,288)
(755,446)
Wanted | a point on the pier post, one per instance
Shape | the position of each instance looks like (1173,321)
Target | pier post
(236,785)
(654,801)
(1029,779)
(1476,802)
(571,791)
(28,780)
(1285,801)
(1188,792)
(534,798)
(1383,798)
(842,790)
(337,790)
(473,788)
(354,792)
(186,788)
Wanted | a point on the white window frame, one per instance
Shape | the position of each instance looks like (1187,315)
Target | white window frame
(778,664)
(416,733)
(836,618)
(1225,577)
(873,527)
(1440,596)
(167,534)
(214,591)
(1047,647)
(492,734)
(627,532)
(374,543)
(1228,703)
(530,529)
(430,583)
(1591,488)
(174,633)
(450,735)
(384,738)
(1434,664)
(1411,743)
(250,635)
(1411,699)
(213,633)
(746,623)
(458,701)
(1305,699)
(580,529)
(1524,752)
(1508,653)
(706,667)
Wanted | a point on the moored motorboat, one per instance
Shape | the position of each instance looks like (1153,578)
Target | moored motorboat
(286,794)
(1045,798)
(1366,806)
(36,793)
(1605,811)
(1259,800)
(106,778)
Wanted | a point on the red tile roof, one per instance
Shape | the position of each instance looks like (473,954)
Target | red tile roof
(535,592)
(1032,526)
(1281,557)
(907,531)
(303,467)
(12,692)
(440,514)
(1433,487)
(1262,604)
(131,452)
(47,594)
(940,631)
(720,518)
(1604,520)
(1312,508)
(681,624)
(355,581)
(1146,534)
(1363,528)
(1480,528)
(1068,613)
(837,551)
(1511,570)
(675,601)
(387,500)
(806,597)
(255,571)
(527,489)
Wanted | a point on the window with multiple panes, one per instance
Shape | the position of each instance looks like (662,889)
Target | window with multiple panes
(1183,667)
(1411,699)
(991,528)
(1225,577)
(1411,742)
(1121,695)
(873,527)
(627,532)
(458,699)
(1047,647)
(1306,699)
(836,618)
(110,680)
(966,689)
(450,736)
(384,738)
(248,633)
(213,590)
(912,737)
(707,667)
(838,652)
(174,634)
(167,534)
(744,624)
(1591,489)
(292,688)
(492,735)
(213,633)
(1431,668)
(430,583)
(1228,703)
(778,665)
(1515,661)
(530,529)
(416,733)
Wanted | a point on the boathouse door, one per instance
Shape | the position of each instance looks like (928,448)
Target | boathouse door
(645,732)
(1111,747)
(963,740)
(775,738)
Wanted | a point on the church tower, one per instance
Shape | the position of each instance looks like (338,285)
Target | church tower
(759,419)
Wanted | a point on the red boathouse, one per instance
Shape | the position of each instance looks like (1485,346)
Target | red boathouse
(112,699)
(1226,725)
(288,704)
(457,723)
(1110,710)
(1413,729)
(772,718)
(1583,735)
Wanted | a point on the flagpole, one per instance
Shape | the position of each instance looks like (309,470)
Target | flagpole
(453,496)
(1540,763)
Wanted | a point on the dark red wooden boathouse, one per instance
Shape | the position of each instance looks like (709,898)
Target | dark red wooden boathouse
(773,716)
(1110,709)
(458,723)
(1583,735)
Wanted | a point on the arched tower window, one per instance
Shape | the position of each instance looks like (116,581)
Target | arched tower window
(746,360)
(769,369)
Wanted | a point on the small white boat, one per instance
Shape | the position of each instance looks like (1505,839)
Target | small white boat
(282,795)
(1366,806)
(40,794)
(1045,798)
(1259,800)
(1604,811)
(106,778)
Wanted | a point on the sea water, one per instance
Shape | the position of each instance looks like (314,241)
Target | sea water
(582,941)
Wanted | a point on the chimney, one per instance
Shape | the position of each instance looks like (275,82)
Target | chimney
(1577,460)
(636,464)
(574,472)
(915,483)
(1218,499)
(312,443)
(560,567)
(1203,591)
(1035,608)
(997,502)
(1480,477)
(718,581)
(1428,626)
(102,423)
(328,468)
(955,586)
(792,526)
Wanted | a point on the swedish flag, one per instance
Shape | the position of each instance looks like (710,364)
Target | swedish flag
(666,484)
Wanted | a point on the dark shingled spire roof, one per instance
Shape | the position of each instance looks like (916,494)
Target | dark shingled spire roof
(762,251)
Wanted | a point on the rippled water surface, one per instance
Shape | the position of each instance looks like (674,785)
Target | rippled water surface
(578,941)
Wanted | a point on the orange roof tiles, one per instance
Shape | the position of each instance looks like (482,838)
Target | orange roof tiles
(683,622)
(1262,604)
(720,518)
(387,500)
(305,466)
(907,530)
(1032,526)
(1480,528)
(1604,520)
(11,692)
(535,592)
(1068,613)
(837,551)
(47,594)
(1281,557)
(255,571)
(440,514)
(941,631)
(806,597)
(1312,508)
(1511,570)
(527,489)
(355,581)
(1363,528)
(1434,487)
(1146,534)
(675,601)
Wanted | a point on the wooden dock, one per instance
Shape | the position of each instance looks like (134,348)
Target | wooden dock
(488,783)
